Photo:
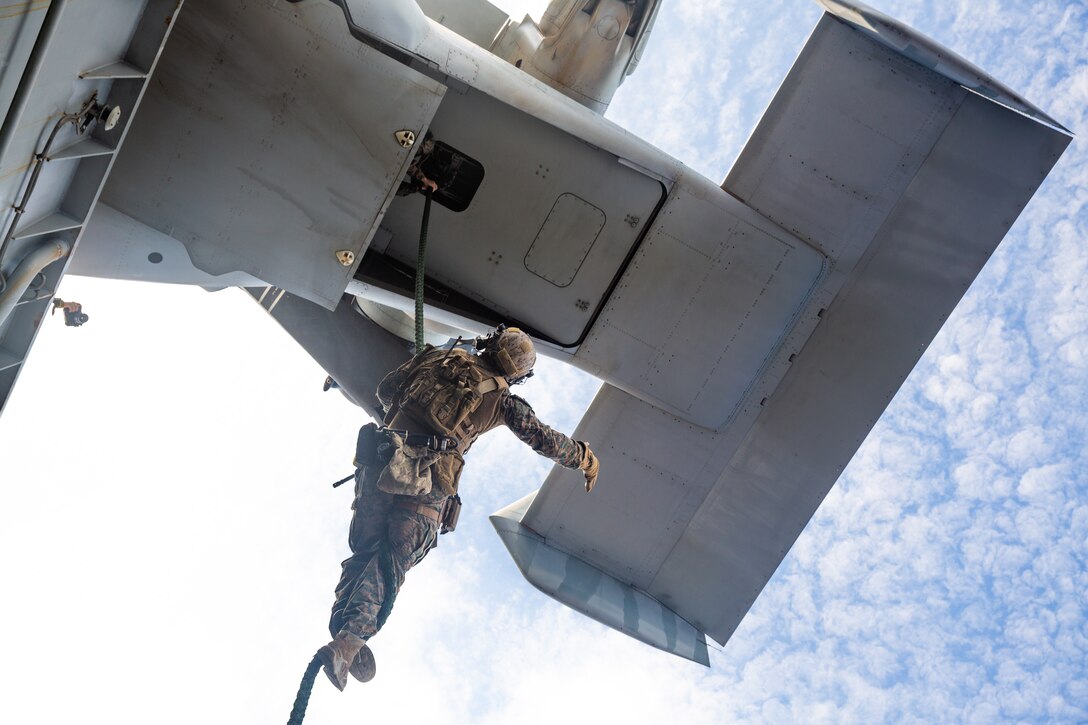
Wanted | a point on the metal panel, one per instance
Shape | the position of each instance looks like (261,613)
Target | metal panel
(924,51)
(62,189)
(700,519)
(977,179)
(90,33)
(588,590)
(114,70)
(734,502)
(480,251)
(257,159)
(116,246)
(847,131)
(657,468)
(564,240)
(478,20)
(704,307)
(19,26)
(401,22)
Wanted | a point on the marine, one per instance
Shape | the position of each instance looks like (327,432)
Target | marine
(436,405)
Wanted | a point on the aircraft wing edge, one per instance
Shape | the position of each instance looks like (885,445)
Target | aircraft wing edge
(909,43)
(593,592)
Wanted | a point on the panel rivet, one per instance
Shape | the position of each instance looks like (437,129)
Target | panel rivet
(345,257)
(405,138)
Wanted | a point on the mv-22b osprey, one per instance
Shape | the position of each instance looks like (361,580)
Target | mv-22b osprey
(749,334)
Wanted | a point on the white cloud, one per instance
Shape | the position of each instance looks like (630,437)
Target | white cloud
(1043,480)
(1028,446)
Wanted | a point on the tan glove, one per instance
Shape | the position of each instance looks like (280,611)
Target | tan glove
(589,465)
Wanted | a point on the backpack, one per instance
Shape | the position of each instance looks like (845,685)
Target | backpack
(445,388)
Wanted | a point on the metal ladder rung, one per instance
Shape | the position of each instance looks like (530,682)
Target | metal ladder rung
(81,150)
(32,300)
(7,360)
(56,222)
(119,69)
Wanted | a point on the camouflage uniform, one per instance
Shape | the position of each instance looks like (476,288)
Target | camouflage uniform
(377,522)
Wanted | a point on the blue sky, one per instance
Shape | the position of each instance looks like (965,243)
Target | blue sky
(169,543)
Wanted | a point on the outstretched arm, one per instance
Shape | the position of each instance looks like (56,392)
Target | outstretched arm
(522,421)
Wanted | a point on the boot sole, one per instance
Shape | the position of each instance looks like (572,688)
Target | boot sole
(328,658)
(363,668)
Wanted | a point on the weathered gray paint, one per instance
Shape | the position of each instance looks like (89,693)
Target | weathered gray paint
(29,267)
(116,246)
(700,519)
(522,183)
(587,589)
(704,307)
(88,40)
(751,334)
(565,239)
(270,168)
(25,36)
(926,52)
(476,20)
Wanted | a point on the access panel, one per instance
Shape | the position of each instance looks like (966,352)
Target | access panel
(268,143)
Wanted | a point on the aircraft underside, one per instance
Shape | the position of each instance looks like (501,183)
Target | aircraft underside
(749,333)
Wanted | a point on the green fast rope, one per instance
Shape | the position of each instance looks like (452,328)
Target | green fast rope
(302,699)
(419,269)
(390,586)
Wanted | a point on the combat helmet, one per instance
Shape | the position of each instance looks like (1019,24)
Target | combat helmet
(512,352)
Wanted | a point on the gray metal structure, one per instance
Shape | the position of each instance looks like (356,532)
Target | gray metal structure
(749,334)
(58,56)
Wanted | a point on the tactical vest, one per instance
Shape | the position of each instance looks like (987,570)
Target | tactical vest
(448,392)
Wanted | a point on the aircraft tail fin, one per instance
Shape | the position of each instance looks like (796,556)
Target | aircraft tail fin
(906,181)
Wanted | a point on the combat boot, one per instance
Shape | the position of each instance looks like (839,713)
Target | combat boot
(337,657)
(364,668)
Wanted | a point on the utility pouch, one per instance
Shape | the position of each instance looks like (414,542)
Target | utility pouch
(366,446)
(451,511)
(408,472)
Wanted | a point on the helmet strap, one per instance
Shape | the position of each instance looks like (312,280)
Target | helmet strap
(502,357)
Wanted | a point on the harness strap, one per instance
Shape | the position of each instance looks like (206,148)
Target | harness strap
(491,384)
(408,504)
(466,430)
(438,443)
